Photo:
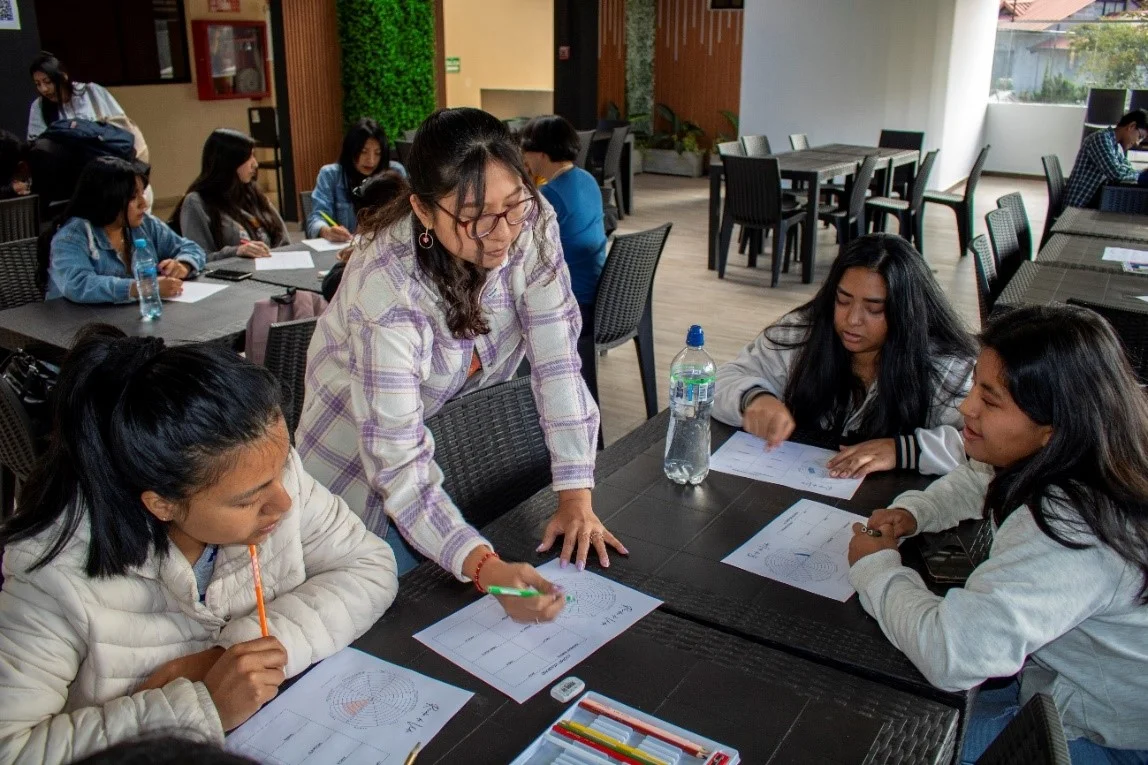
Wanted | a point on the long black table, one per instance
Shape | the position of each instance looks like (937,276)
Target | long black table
(52,325)
(1043,283)
(772,706)
(1086,252)
(310,279)
(812,167)
(1109,225)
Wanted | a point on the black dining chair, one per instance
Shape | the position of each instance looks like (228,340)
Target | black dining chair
(988,286)
(403,150)
(610,173)
(1014,203)
(19,448)
(623,309)
(849,219)
(19,218)
(1054,180)
(1132,329)
(755,201)
(799,141)
(730,149)
(756,145)
(1124,199)
(286,358)
(1006,248)
(585,141)
(903,175)
(20,273)
(909,211)
(1034,737)
(306,206)
(962,204)
(491,449)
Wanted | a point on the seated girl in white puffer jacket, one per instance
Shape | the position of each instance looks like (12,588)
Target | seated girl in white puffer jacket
(128,602)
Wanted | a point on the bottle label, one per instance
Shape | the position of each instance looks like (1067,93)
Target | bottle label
(695,391)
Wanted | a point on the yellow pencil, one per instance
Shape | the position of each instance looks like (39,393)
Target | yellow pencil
(329,219)
(611,742)
(410,760)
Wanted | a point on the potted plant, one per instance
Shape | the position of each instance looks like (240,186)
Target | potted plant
(676,151)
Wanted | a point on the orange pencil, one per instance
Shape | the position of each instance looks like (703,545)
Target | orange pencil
(258,590)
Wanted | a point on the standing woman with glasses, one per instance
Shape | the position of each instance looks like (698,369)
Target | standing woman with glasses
(453,284)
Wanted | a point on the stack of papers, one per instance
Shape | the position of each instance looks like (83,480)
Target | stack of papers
(1125,255)
(285,261)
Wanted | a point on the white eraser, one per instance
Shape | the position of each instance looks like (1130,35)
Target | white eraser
(567,689)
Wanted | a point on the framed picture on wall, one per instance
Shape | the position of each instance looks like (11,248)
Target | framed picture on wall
(231,59)
(10,15)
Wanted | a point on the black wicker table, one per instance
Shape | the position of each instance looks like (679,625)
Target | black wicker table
(310,279)
(773,707)
(1041,284)
(1110,225)
(812,167)
(1086,252)
(677,537)
(51,326)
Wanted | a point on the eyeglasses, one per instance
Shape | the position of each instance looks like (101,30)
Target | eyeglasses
(484,225)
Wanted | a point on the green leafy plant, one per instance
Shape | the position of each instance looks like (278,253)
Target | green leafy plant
(682,135)
(732,119)
(388,50)
(1055,90)
(1114,53)
(641,18)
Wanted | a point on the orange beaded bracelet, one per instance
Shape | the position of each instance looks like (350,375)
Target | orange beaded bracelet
(478,568)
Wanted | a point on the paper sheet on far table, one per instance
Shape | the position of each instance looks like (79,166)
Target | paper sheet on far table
(193,292)
(284,261)
(1125,255)
(790,464)
(352,708)
(322,245)
(806,547)
(522,659)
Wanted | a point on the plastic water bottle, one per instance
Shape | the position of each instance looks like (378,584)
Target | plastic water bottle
(692,375)
(146,271)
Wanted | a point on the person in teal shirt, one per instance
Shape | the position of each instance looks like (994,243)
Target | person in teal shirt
(91,253)
(550,145)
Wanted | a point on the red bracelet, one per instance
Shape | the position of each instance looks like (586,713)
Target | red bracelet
(478,569)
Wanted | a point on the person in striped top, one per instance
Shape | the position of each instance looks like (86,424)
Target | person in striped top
(449,288)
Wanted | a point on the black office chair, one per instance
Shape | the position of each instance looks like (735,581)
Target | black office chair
(988,285)
(286,358)
(1014,203)
(908,211)
(491,449)
(754,200)
(1132,329)
(1006,247)
(1034,737)
(1054,180)
(623,310)
(20,273)
(799,141)
(962,204)
(756,145)
(19,218)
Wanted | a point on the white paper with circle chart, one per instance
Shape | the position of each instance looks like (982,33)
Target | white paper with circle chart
(798,466)
(806,547)
(352,709)
(522,659)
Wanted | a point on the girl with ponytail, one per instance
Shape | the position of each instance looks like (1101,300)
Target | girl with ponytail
(128,603)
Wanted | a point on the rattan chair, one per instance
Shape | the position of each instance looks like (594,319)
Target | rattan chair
(1132,329)
(403,150)
(1014,203)
(962,204)
(901,139)
(19,218)
(988,286)
(610,173)
(799,141)
(491,450)
(1006,248)
(585,141)
(19,267)
(18,448)
(849,219)
(1054,179)
(731,149)
(1034,737)
(306,206)
(754,201)
(756,145)
(286,358)
(908,211)
(623,310)
(1124,199)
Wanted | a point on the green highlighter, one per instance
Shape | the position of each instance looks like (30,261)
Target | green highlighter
(519,592)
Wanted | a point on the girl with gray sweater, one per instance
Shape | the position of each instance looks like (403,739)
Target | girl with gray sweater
(1060,469)
(224,210)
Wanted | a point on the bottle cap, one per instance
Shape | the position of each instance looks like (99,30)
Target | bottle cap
(140,243)
(695,338)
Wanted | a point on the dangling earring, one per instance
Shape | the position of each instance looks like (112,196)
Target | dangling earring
(425,240)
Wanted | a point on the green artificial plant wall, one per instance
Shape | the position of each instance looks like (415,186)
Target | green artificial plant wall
(640,20)
(388,62)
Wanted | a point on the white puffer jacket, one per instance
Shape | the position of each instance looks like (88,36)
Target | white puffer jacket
(73,649)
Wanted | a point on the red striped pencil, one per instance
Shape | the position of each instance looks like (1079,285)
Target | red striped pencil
(689,747)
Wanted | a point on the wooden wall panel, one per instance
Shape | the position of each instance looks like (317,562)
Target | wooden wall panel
(611,54)
(315,89)
(697,62)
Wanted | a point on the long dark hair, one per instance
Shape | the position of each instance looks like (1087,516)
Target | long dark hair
(132,416)
(922,327)
(353,143)
(1096,460)
(47,64)
(222,193)
(449,154)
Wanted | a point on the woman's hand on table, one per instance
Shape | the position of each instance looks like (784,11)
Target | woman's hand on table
(580,528)
(542,608)
(864,458)
(767,417)
(253,249)
(335,234)
(174,268)
(892,523)
(246,677)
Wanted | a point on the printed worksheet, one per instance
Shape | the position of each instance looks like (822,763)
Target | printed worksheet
(322,245)
(522,659)
(806,547)
(790,464)
(353,709)
(193,292)
(285,261)
(1125,255)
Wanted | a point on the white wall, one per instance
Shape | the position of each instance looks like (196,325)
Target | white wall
(1023,133)
(841,72)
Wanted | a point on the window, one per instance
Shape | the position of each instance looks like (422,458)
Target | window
(117,42)
(1053,51)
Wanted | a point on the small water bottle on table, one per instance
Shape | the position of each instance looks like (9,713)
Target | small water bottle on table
(692,376)
(146,271)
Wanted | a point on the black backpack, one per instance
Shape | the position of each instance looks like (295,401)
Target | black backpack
(88,139)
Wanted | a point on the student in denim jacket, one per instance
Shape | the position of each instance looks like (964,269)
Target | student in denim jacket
(364,155)
(91,254)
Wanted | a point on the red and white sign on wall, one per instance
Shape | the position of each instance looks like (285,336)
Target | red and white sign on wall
(223,6)
(563,52)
